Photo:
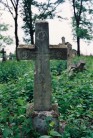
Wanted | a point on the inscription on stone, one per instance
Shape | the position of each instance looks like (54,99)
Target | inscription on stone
(41,35)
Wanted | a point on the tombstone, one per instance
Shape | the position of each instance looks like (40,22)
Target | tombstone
(3,55)
(68,46)
(63,40)
(10,56)
(69,54)
(75,68)
(41,52)
(74,53)
(69,51)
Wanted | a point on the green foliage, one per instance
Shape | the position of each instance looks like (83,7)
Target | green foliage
(3,38)
(58,67)
(54,133)
(45,136)
(43,10)
(74,96)
(12,70)
(83,33)
(82,25)
(13,99)
(51,132)
(12,112)
(81,21)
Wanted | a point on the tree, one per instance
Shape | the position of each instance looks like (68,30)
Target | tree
(81,20)
(28,20)
(45,10)
(12,6)
(4,40)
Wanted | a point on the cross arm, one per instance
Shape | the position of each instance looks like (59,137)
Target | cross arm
(58,52)
(2,51)
(26,52)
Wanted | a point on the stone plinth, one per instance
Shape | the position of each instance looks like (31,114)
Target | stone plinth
(42,119)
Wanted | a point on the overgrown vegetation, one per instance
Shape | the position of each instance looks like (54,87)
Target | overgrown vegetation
(74,95)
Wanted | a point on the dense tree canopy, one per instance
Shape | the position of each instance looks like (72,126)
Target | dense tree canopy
(4,39)
(82,20)
(34,10)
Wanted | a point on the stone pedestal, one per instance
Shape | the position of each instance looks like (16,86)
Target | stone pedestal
(42,119)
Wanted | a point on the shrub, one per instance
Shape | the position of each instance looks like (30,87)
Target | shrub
(74,96)
(12,70)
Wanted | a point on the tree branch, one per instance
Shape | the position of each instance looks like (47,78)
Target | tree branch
(81,4)
(8,7)
(13,3)
(74,9)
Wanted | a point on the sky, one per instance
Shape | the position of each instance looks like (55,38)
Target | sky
(57,29)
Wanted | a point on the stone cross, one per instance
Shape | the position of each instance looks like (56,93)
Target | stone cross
(3,54)
(41,52)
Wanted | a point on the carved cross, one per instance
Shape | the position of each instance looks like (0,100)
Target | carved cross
(41,52)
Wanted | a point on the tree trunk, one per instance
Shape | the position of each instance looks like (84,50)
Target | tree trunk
(31,35)
(31,25)
(78,38)
(78,46)
(16,35)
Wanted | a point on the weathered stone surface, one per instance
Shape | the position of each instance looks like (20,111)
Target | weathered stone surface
(74,53)
(80,66)
(40,122)
(58,53)
(42,83)
(69,54)
(54,53)
(63,40)
(30,112)
(42,119)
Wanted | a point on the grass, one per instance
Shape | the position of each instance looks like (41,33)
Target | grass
(74,95)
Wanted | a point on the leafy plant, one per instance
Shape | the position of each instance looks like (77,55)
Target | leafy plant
(73,95)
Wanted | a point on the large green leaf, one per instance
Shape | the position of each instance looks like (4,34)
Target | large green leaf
(54,133)
(45,136)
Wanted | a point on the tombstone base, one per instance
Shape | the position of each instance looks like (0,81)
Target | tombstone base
(42,119)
